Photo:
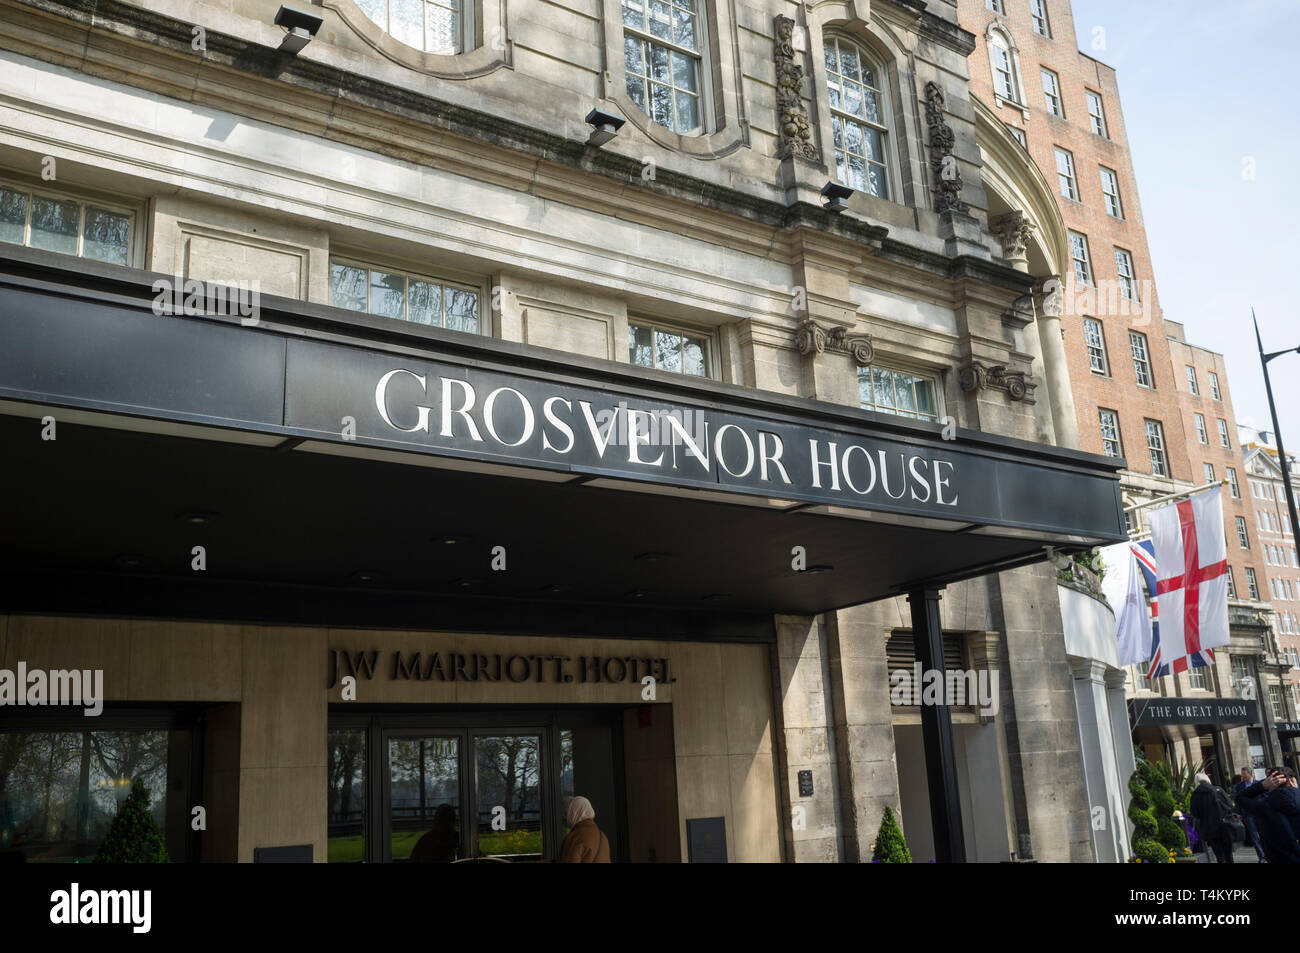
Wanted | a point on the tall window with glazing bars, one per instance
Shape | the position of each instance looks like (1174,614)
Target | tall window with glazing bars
(662,43)
(859,116)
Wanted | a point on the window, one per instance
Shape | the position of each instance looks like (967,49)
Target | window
(669,349)
(1065,174)
(1096,343)
(1003,64)
(997,6)
(1251,584)
(1019,135)
(1202,434)
(1110,189)
(1141,363)
(1275,703)
(1079,255)
(661,49)
(1191,381)
(434,26)
(1214,386)
(390,294)
(1096,113)
(1207,471)
(1052,93)
(893,391)
(1156,448)
(1243,536)
(1110,442)
(1232,585)
(66,225)
(858,118)
(1038,12)
(1223,434)
(1233,488)
(1273,586)
(1196,677)
(1124,269)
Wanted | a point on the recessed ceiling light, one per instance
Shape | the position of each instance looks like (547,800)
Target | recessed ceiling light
(553,587)
(652,557)
(814,569)
(449,540)
(196,517)
(464,583)
(129,560)
(367,575)
(636,594)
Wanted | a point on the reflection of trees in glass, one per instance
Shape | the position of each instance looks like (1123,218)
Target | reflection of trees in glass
(423,772)
(508,776)
(566,766)
(64,787)
(346,773)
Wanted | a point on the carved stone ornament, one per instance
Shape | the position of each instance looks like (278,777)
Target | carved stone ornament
(948,184)
(794,131)
(1016,231)
(812,338)
(977,375)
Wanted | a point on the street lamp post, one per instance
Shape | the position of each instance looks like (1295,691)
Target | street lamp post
(1277,431)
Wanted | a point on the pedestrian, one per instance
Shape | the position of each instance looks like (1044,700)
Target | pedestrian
(1275,803)
(441,842)
(1246,807)
(585,843)
(1209,819)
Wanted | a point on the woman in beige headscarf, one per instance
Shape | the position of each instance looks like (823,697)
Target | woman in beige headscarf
(585,843)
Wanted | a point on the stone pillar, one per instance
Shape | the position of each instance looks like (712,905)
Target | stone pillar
(811,825)
(1056,367)
(1098,751)
(1122,738)
(985,653)
(1015,229)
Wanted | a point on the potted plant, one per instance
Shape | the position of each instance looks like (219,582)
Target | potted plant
(890,848)
(133,837)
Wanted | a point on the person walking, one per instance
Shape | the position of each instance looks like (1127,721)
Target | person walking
(1275,803)
(585,843)
(1209,819)
(1246,807)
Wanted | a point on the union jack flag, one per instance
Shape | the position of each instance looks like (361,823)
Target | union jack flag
(1145,553)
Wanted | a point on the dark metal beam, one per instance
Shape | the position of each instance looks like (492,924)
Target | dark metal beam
(936,730)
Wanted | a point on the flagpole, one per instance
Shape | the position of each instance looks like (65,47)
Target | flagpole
(1174,496)
(1277,430)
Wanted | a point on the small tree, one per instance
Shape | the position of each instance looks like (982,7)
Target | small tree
(133,837)
(1145,828)
(890,846)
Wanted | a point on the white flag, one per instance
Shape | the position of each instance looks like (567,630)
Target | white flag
(1122,587)
(1191,574)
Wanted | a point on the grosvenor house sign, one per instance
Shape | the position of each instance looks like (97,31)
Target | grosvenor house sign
(547,425)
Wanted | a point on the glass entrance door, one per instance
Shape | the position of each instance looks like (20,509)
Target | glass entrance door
(508,799)
(424,798)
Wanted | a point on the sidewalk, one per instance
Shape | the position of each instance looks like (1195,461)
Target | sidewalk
(1242,855)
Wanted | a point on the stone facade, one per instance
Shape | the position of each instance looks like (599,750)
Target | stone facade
(240,162)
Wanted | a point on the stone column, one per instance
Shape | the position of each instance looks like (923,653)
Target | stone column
(986,655)
(1122,739)
(1056,368)
(1015,229)
(1098,751)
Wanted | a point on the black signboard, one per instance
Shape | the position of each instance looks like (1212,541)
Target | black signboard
(1193,711)
(1287,729)
(706,840)
(296,854)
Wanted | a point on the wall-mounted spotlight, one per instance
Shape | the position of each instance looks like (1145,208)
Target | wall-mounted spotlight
(300,28)
(605,127)
(836,196)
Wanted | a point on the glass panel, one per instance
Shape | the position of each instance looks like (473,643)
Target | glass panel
(849,63)
(659,63)
(695,357)
(864,387)
(54,225)
(661,105)
(441,27)
(406,22)
(640,341)
(874,149)
(425,304)
(462,309)
(376,10)
(857,173)
(668,351)
(683,72)
(661,20)
(903,393)
(853,98)
(688,112)
(346,797)
(347,286)
(507,778)
(634,14)
(871,106)
(60,790)
(876,181)
(636,89)
(884,385)
(13,216)
(424,799)
(837,135)
(387,295)
(829,49)
(632,56)
(684,29)
(925,401)
(105,236)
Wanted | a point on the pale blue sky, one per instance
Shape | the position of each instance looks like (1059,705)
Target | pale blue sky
(1204,87)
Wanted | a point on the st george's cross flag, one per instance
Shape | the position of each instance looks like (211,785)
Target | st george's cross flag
(1191,574)
(1145,556)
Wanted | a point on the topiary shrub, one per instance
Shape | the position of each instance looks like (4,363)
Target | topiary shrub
(133,837)
(1150,852)
(1146,846)
(891,848)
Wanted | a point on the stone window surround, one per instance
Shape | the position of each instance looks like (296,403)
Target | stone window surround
(902,144)
(347,255)
(1021,102)
(722,108)
(713,360)
(490,51)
